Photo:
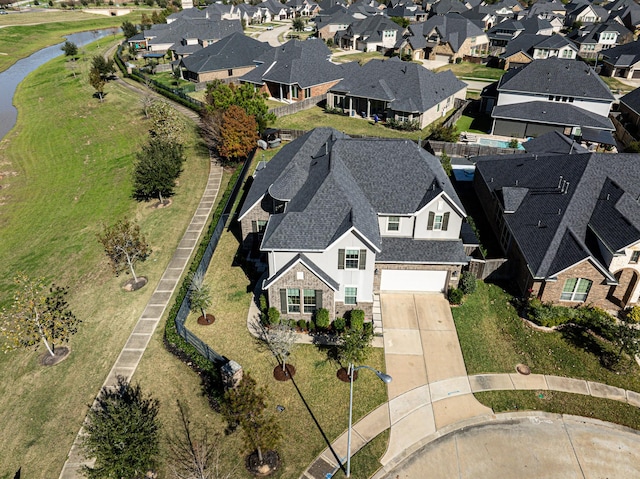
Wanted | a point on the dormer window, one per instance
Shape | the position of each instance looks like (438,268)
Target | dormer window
(393,223)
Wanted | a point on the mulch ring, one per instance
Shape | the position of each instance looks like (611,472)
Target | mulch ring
(281,375)
(132,285)
(343,375)
(270,463)
(59,354)
(161,204)
(210,319)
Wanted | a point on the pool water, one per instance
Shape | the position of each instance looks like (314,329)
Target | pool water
(497,143)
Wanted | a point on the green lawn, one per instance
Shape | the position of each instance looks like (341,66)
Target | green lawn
(316,116)
(473,70)
(474,125)
(494,339)
(66,170)
(19,40)
(616,85)
(362,57)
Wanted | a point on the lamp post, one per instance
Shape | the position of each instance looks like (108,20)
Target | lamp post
(384,378)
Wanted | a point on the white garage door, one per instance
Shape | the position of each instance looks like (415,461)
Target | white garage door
(424,281)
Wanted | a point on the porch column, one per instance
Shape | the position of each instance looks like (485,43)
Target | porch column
(368,108)
(280,87)
(350,106)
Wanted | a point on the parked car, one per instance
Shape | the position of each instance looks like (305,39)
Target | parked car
(308,29)
(270,27)
(4,12)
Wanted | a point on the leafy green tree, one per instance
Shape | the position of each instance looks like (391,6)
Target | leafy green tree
(444,133)
(104,67)
(220,96)
(245,406)
(298,24)
(70,49)
(97,82)
(403,22)
(124,246)
(166,123)
(122,433)
(37,315)
(354,347)
(626,336)
(156,170)
(129,29)
(445,161)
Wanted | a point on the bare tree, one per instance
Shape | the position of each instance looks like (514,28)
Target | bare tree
(281,340)
(195,453)
(124,245)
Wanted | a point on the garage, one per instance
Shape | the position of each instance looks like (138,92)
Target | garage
(443,58)
(422,281)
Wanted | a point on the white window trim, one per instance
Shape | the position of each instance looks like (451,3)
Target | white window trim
(575,291)
(347,259)
(345,295)
(396,222)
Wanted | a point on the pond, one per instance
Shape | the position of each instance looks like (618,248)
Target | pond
(11,78)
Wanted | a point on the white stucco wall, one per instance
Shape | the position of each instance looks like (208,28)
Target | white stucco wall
(599,107)
(439,205)
(404,231)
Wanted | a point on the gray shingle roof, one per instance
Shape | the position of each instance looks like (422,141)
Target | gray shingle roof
(548,211)
(632,100)
(552,113)
(408,250)
(234,51)
(301,258)
(558,77)
(202,29)
(305,63)
(408,87)
(333,183)
(453,28)
(623,55)
(553,142)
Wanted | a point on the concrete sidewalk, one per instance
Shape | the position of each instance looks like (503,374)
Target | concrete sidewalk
(136,345)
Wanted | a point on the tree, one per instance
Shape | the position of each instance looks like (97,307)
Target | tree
(70,49)
(97,82)
(239,134)
(195,453)
(124,245)
(355,347)
(445,161)
(37,315)
(166,123)
(402,21)
(104,67)
(156,170)
(281,340)
(129,29)
(626,336)
(122,433)
(444,133)
(245,406)
(298,24)
(199,294)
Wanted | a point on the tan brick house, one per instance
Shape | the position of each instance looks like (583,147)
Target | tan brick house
(569,224)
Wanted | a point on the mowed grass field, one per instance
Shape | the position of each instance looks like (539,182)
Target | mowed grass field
(66,170)
(21,34)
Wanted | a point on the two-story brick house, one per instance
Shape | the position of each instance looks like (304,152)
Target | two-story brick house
(569,224)
(340,219)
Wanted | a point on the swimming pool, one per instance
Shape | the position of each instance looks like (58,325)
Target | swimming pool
(497,143)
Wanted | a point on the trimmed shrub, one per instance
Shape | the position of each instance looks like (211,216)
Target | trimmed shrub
(302,324)
(339,324)
(368,328)
(356,320)
(322,318)
(548,315)
(467,283)
(273,316)
(292,323)
(632,315)
(455,296)
(311,325)
(263,303)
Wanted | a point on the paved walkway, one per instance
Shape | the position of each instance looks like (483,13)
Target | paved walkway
(131,354)
(431,391)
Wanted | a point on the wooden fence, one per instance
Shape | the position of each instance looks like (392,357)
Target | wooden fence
(622,134)
(298,106)
(493,269)
(460,107)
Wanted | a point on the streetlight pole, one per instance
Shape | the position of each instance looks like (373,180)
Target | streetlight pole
(384,378)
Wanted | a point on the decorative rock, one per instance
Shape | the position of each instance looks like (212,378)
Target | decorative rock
(231,373)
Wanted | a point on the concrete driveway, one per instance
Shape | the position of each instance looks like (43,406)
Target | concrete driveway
(526,446)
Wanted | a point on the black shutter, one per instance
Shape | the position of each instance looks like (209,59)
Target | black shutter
(283,301)
(432,217)
(340,259)
(362,259)
(254,226)
(318,298)
(445,221)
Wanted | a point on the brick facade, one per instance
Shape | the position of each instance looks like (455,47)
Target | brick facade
(273,90)
(246,225)
(223,74)
(550,291)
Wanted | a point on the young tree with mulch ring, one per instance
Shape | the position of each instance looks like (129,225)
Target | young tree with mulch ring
(122,433)
(125,245)
(281,340)
(245,406)
(200,298)
(38,315)
(353,349)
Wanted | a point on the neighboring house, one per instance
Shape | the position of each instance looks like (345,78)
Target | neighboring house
(552,94)
(553,143)
(252,14)
(442,7)
(585,14)
(569,224)
(525,48)
(296,70)
(594,39)
(630,109)
(546,10)
(410,11)
(482,16)
(231,57)
(626,12)
(277,10)
(303,8)
(184,34)
(398,90)
(328,25)
(340,219)
(555,46)
(450,37)
(622,61)
(375,33)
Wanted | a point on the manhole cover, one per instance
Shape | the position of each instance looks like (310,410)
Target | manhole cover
(523,369)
